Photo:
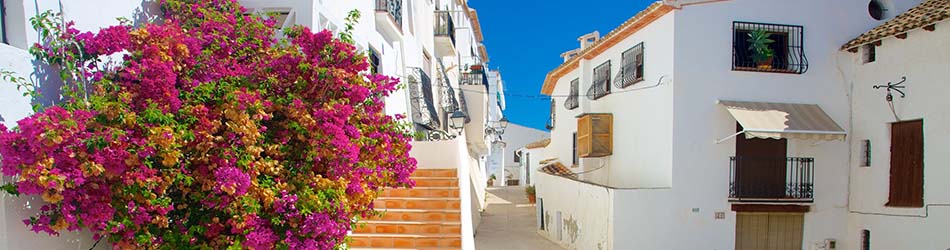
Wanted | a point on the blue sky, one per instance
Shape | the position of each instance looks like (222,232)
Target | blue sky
(525,39)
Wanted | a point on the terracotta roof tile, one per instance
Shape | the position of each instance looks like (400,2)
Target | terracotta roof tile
(539,144)
(558,169)
(632,25)
(927,13)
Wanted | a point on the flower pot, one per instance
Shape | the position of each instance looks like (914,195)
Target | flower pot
(476,67)
(532,198)
(491,183)
(766,64)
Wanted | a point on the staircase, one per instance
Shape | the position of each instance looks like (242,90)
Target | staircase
(426,217)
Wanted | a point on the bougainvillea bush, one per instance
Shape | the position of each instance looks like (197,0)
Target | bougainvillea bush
(206,132)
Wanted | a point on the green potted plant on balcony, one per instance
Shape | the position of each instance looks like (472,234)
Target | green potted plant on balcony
(529,190)
(762,54)
(491,180)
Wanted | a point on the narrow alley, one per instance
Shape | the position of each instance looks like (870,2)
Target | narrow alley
(508,223)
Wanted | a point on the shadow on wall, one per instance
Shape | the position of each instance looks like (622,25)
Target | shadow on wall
(47,78)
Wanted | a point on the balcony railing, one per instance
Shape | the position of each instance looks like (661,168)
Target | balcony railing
(393,7)
(474,78)
(444,25)
(789,179)
(423,106)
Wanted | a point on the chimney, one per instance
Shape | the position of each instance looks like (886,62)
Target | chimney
(570,54)
(589,39)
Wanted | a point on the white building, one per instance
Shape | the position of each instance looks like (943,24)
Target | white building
(898,192)
(675,137)
(434,46)
(509,171)
(530,158)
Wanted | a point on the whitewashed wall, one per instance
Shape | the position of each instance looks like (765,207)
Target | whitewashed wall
(584,212)
(516,137)
(923,58)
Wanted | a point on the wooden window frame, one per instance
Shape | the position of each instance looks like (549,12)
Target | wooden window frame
(632,66)
(906,181)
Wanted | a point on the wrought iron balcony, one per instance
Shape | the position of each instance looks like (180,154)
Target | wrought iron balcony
(474,78)
(778,179)
(420,93)
(393,7)
(444,25)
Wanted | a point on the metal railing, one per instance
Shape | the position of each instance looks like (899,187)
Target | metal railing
(771,178)
(420,93)
(444,25)
(572,101)
(474,78)
(393,7)
(788,46)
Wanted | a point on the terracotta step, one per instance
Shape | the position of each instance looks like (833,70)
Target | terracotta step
(418,203)
(431,192)
(421,215)
(435,173)
(408,227)
(436,181)
(406,241)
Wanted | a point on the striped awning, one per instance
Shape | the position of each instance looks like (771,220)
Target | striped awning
(784,120)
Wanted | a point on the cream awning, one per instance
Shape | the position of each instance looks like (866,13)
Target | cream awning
(784,120)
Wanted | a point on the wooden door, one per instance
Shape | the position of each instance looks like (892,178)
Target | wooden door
(907,164)
(760,167)
(769,231)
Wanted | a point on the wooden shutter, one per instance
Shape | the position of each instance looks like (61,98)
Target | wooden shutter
(595,135)
(907,164)
(769,231)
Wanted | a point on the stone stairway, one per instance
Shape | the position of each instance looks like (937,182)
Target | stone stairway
(426,217)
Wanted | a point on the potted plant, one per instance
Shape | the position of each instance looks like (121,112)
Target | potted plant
(491,180)
(762,54)
(529,190)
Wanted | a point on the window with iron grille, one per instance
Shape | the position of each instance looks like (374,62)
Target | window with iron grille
(601,84)
(632,70)
(572,102)
(374,61)
(550,124)
(786,42)
(574,158)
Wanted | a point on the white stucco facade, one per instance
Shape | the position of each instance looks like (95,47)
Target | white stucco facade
(667,177)
(923,59)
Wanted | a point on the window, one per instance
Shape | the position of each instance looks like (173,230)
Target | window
(594,135)
(785,42)
(601,84)
(865,239)
(870,53)
(632,70)
(574,157)
(518,156)
(550,124)
(907,164)
(866,153)
(374,61)
(572,102)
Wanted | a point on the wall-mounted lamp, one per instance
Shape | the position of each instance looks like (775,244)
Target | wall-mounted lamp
(457,120)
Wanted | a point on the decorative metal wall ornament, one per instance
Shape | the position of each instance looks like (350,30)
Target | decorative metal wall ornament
(895,87)
(890,97)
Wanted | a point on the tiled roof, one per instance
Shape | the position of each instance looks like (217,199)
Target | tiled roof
(539,144)
(632,25)
(558,169)
(925,14)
